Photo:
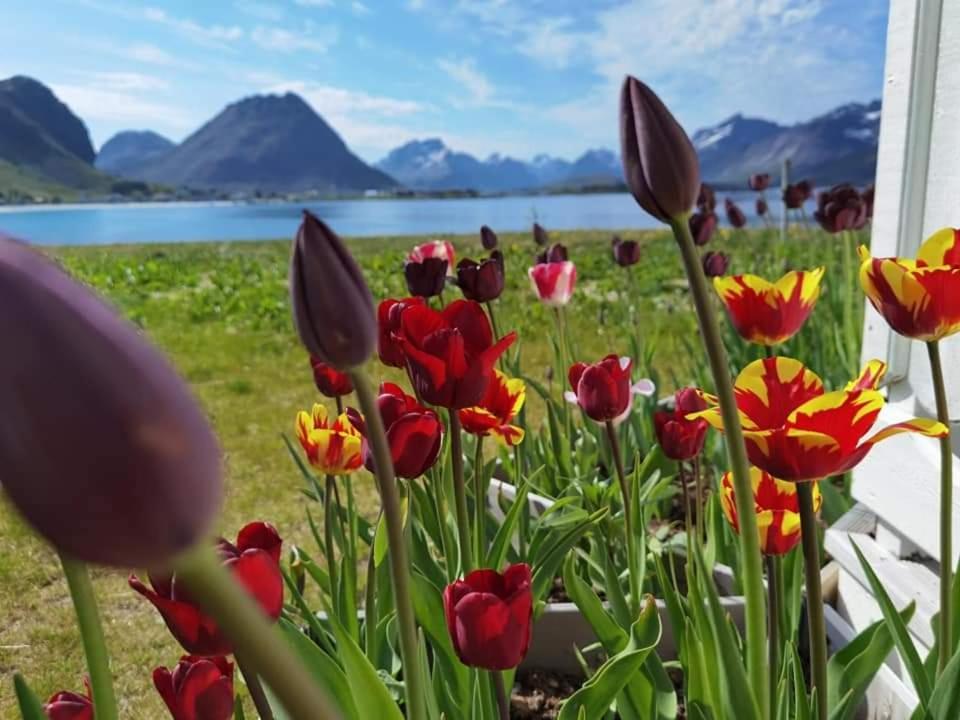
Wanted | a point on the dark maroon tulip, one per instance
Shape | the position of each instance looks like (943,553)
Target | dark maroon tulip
(602,389)
(488,238)
(103,449)
(702,227)
(490,617)
(540,236)
(427,277)
(332,305)
(413,432)
(793,197)
(481,281)
(659,162)
(680,438)
(67,705)
(715,263)
(867,197)
(706,199)
(840,208)
(255,563)
(759,181)
(805,188)
(625,252)
(198,688)
(554,254)
(330,381)
(762,208)
(735,215)
(388,323)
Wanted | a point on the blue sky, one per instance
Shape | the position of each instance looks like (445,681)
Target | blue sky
(519,77)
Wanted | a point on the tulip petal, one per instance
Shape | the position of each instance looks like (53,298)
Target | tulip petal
(768,389)
(470,319)
(163,682)
(844,416)
(262,536)
(260,575)
(941,248)
(870,376)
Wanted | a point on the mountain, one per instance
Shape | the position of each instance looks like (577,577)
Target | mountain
(42,138)
(838,146)
(431,165)
(127,152)
(267,142)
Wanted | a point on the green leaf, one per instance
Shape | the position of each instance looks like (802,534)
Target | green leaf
(611,636)
(428,608)
(597,693)
(497,554)
(323,669)
(372,698)
(898,629)
(27,701)
(548,565)
(945,701)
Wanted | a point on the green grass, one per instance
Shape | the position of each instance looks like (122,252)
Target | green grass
(221,313)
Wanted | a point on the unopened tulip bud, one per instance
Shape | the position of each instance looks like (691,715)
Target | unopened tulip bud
(102,447)
(702,226)
(426,278)
(556,253)
(540,236)
(626,252)
(762,207)
(488,238)
(706,199)
(659,162)
(715,263)
(332,306)
(759,182)
(735,215)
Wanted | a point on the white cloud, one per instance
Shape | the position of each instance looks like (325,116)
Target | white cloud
(122,81)
(120,106)
(269,11)
(287,41)
(359,8)
(330,100)
(552,42)
(475,89)
(212,35)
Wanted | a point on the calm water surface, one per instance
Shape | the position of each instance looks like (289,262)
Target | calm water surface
(191,222)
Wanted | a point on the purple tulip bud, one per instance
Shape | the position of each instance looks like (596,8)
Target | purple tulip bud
(540,236)
(427,277)
(702,226)
(481,281)
(488,238)
(715,263)
(553,254)
(759,182)
(706,199)
(735,215)
(841,208)
(103,449)
(332,305)
(762,208)
(659,162)
(626,252)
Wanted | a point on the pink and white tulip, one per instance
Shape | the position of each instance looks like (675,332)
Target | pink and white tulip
(434,249)
(554,282)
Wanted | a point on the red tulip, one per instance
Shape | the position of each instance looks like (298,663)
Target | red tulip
(735,215)
(489,616)
(759,181)
(794,196)
(715,264)
(659,161)
(493,416)
(450,354)
(602,389)
(679,438)
(702,226)
(66,705)
(481,281)
(554,282)
(330,381)
(413,432)
(805,188)
(198,688)
(254,562)
(388,324)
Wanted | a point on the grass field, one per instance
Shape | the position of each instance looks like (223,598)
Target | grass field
(221,312)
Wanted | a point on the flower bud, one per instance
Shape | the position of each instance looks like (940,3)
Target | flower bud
(332,306)
(762,207)
(625,252)
(488,238)
(481,281)
(759,181)
(867,197)
(659,162)
(702,226)
(735,215)
(427,277)
(715,263)
(706,199)
(556,253)
(540,236)
(841,208)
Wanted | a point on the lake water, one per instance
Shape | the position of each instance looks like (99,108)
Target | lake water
(198,222)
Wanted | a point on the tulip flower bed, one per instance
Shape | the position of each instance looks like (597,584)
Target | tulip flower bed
(222,312)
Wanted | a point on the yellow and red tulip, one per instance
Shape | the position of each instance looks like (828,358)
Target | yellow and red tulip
(500,404)
(796,431)
(776,508)
(918,298)
(767,312)
(334,448)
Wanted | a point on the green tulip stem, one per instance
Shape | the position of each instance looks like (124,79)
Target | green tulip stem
(627,519)
(255,688)
(479,502)
(91,634)
(774,581)
(503,702)
(399,562)
(460,492)
(815,621)
(328,519)
(751,561)
(254,637)
(946,510)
